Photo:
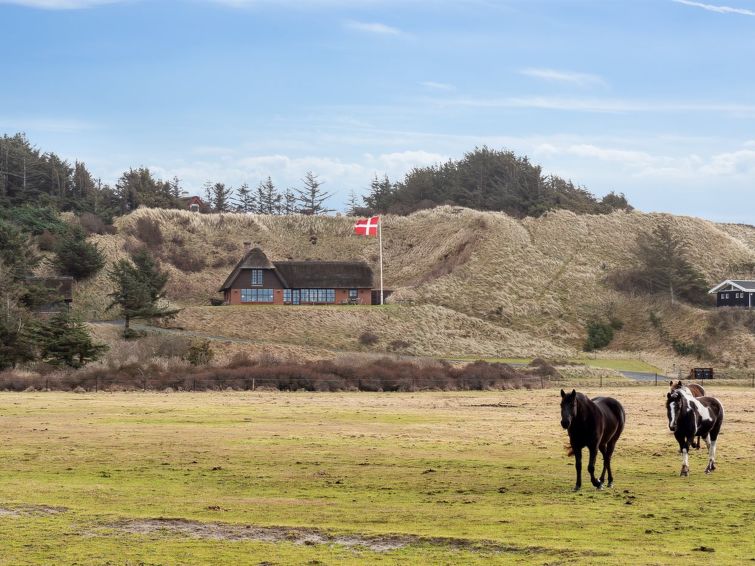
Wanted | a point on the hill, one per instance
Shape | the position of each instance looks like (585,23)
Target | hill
(466,282)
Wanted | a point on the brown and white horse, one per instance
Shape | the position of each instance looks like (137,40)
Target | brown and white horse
(694,388)
(689,417)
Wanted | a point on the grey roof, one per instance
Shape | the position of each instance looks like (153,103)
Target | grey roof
(741,284)
(307,274)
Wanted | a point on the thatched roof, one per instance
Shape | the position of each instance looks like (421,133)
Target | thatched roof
(307,274)
(325,274)
(253,259)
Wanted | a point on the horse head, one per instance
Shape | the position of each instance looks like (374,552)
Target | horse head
(568,408)
(674,402)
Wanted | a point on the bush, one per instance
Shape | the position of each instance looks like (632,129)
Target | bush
(367,338)
(148,231)
(599,335)
(200,353)
(186,261)
(690,349)
(47,241)
(93,224)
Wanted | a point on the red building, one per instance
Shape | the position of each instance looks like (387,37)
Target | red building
(257,280)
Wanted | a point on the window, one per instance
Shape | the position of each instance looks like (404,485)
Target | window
(256,277)
(286,296)
(256,295)
(353,294)
(318,295)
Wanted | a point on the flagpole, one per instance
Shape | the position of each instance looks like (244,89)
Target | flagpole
(380,237)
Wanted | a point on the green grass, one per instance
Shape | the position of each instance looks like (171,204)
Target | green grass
(476,466)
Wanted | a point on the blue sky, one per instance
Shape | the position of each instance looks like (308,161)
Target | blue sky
(653,98)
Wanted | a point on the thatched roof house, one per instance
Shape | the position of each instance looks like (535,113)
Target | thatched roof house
(257,280)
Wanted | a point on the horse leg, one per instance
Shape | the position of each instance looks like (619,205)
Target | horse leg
(608,456)
(685,459)
(711,454)
(604,454)
(578,466)
(591,466)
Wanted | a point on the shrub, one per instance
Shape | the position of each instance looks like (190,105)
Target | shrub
(47,241)
(690,349)
(200,353)
(185,260)
(93,224)
(368,338)
(599,335)
(148,231)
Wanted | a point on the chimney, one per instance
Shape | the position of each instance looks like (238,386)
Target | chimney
(247,246)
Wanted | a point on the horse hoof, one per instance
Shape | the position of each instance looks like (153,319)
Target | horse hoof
(684,474)
(610,484)
(577,488)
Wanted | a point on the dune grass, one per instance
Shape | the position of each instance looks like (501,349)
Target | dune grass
(79,471)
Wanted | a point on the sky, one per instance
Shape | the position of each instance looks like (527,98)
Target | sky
(652,98)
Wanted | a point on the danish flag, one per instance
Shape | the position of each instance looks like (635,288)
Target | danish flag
(367,226)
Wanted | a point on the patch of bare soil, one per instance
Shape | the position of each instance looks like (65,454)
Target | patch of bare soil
(30,510)
(306,536)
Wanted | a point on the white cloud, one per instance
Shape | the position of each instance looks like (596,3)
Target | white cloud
(716,8)
(607,105)
(373,28)
(569,77)
(432,85)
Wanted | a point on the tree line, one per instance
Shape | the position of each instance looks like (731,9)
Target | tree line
(486,179)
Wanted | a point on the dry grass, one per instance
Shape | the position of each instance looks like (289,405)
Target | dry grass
(541,278)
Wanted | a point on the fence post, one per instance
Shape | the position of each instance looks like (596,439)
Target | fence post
(47,386)
(96,383)
(194,384)
(253,384)
(144,384)
(656,379)
(601,380)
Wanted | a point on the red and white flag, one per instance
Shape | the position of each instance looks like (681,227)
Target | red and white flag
(367,226)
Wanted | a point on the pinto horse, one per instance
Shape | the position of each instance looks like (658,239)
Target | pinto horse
(689,417)
(694,388)
(595,423)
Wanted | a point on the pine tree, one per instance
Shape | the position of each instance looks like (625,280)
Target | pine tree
(311,198)
(245,202)
(17,343)
(268,198)
(662,255)
(381,195)
(220,197)
(139,288)
(76,257)
(289,202)
(16,251)
(64,340)
(352,204)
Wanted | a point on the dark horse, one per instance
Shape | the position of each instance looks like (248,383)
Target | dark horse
(690,416)
(596,424)
(694,388)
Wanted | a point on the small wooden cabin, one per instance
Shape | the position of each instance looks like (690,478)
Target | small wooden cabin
(257,280)
(735,293)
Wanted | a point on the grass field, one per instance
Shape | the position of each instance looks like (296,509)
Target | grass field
(441,478)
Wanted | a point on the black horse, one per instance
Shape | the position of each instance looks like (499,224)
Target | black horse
(596,424)
(690,416)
